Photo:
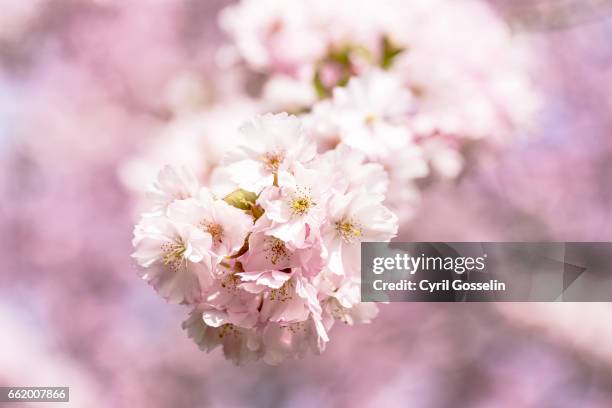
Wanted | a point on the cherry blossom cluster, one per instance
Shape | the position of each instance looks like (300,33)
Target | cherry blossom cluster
(386,79)
(425,77)
(270,267)
(386,103)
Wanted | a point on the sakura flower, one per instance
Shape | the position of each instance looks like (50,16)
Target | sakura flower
(292,302)
(295,321)
(209,328)
(270,35)
(352,171)
(172,184)
(174,256)
(227,294)
(269,254)
(282,341)
(344,302)
(273,144)
(296,207)
(227,226)
(353,218)
(457,90)
(370,114)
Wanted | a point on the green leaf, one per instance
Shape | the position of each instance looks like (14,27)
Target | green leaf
(242,199)
(341,56)
(389,52)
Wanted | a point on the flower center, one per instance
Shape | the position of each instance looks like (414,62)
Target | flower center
(228,329)
(273,160)
(276,250)
(348,230)
(301,201)
(301,205)
(215,231)
(173,254)
(371,119)
(230,282)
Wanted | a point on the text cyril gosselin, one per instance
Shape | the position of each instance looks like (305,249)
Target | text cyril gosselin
(412,264)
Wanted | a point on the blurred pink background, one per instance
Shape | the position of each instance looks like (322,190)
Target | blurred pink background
(82,88)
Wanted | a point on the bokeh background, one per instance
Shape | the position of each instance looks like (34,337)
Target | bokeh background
(84,84)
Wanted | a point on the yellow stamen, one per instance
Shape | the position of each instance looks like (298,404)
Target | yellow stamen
(173,254)
(301,205)
(348,230)
(273,160)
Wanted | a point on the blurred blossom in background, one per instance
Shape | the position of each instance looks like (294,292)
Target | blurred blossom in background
(511,143)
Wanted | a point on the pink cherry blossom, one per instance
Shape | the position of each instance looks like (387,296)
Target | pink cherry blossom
(271,254)
(172,184)
(352,170)
(273,144)
(269,267)
(175,257)
(353,218)
(209,328)
(371,113)
(385,105)
(226,225)
(270,35)
(297,206)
